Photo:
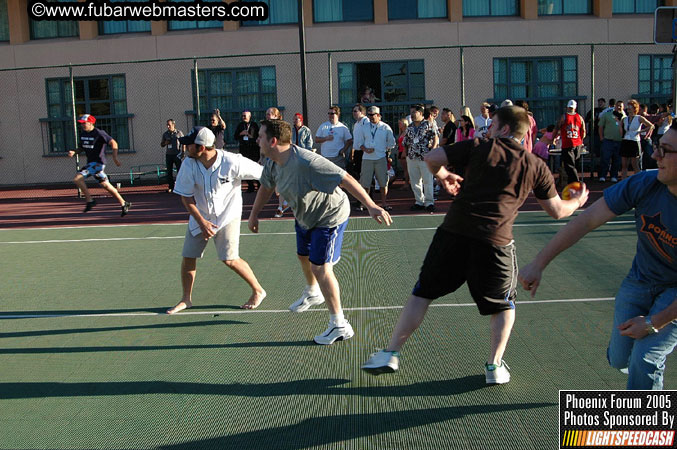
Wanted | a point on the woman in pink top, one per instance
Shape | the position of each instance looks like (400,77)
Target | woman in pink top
(543,144)
(466,130)
(402,124)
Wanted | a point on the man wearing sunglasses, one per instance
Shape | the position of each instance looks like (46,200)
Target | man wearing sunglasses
(335,138)
(643,332)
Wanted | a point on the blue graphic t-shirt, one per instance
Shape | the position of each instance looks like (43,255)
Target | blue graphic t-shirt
(93,143)
(656,223)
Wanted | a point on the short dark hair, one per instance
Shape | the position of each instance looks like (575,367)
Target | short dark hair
(446,110)
(418,107)
(612,101)
(336,109)
(522,104)
(278,129)
(361,107)
(515,117)
(434,108)
(601,99)
(172,121)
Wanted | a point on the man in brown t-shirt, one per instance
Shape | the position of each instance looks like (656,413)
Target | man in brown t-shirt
(474,244)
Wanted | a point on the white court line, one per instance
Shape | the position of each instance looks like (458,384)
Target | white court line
(286,233)
(277,311)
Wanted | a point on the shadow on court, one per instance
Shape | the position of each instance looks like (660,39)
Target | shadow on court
(134,348)
(323,431)
(34,333)
(80,312)
(299,387)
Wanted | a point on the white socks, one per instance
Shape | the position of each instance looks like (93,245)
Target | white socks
(313,290)
(337,319)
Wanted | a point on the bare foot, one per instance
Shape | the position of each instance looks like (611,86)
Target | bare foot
(180,307)
(255,300)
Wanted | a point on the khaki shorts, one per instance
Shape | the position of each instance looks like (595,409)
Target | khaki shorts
(226,240)
(371,167)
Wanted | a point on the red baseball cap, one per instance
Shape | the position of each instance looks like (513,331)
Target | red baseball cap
(87,118)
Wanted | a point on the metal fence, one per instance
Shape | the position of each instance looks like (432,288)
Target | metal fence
(132,100)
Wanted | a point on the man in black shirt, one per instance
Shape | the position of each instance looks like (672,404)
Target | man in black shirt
(174,153)
(93,142)
(246,134)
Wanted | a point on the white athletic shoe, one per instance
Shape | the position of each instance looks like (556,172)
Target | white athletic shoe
(335,333)
(306,301)
(382,362)
(497,374)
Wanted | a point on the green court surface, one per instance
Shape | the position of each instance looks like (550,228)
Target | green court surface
(88,360)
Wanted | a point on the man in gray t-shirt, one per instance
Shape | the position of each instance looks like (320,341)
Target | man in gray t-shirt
(311,184)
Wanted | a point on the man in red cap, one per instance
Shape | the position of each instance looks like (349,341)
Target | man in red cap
(93,142)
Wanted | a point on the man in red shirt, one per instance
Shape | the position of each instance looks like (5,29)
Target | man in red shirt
(571,128)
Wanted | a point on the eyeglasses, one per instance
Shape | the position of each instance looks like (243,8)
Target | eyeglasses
(372,114)
(661,151)
(331,113)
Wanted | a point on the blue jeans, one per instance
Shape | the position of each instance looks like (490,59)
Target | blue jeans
(647,162)
(644,358)
(611,158)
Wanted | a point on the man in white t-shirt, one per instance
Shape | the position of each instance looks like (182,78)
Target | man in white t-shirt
(483,121)
(210,186)
(335,138)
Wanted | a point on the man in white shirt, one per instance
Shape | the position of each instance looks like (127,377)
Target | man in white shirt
(335,138)
(360,117)
(210,186)
(483,121)
(375,140)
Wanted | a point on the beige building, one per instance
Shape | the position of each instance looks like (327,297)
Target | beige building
(134,75)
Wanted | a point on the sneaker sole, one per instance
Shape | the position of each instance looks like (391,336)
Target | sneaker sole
(340,338)
(376,371)
(304,306)
(498,381)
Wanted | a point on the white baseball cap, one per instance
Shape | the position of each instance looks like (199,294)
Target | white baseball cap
(572,104)
(199,136)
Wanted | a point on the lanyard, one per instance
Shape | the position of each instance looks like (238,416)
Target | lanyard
(373,133)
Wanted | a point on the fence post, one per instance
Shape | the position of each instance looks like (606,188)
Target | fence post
(591,129)
(302,52)
(75,123)
(196,122)
(330,78)
(462,77)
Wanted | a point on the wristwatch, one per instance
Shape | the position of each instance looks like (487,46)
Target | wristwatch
(649,326)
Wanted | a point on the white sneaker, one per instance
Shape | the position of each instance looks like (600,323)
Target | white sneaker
(614,180)
(382,362)
(335,333)
(602,179)
(306,301)
(497,374)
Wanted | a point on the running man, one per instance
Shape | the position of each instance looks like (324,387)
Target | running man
(644,332)
(474,244)
(311,184)
(215,208)
(93,142)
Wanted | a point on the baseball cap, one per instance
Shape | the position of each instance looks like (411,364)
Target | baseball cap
(199,136)
(572,104)
(506,102)
(492,108)
(373,110)
(87,118)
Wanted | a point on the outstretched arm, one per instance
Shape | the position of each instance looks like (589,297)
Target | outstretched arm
(596,215)
(351,185)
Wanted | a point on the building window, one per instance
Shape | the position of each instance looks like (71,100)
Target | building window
(392,85)
(124,26)
(562,7)
(105,97)
(174,25)
(635,6)
(234,90)
(280,12)
(547,84)
(44,29)
(4,21)
(416,9)
(655,79)
(476,8)
(343,10)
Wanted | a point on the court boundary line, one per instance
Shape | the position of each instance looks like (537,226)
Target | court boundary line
(278,311)
(283,233)
(185,221)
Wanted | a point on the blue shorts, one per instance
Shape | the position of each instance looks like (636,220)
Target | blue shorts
(321,245)
(94,169)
